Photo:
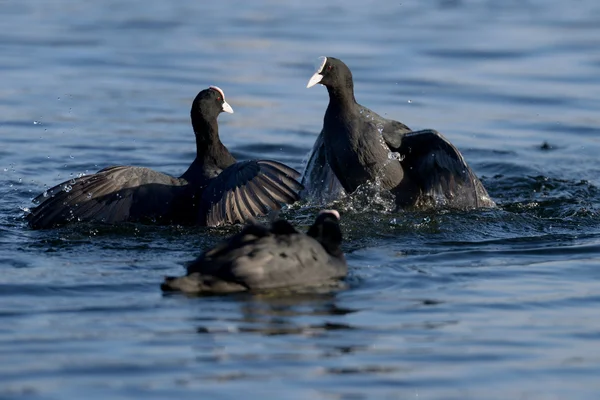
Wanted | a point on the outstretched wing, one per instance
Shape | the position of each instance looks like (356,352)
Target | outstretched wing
(393,132)
(319,180)
(442,173)
(248,189)
(114,194)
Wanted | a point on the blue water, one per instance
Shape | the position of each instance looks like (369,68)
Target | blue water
(499,304)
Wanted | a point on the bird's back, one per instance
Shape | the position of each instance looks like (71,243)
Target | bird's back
(273,261)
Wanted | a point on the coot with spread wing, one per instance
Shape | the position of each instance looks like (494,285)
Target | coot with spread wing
(421,168)
(215,190)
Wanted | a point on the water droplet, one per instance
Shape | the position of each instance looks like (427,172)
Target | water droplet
(409,101)
(71,156)
(37,123)
(393,155)
(58,98)
(45,193)
(67,188)
(73,181)
(89,195)
(20,180)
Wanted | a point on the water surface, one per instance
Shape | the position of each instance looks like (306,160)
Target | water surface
(449,305)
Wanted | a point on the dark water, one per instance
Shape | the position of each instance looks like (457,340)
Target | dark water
(496,304)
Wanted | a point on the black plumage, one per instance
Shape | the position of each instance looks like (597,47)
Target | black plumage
(264,258)
(421,168)
(215,189)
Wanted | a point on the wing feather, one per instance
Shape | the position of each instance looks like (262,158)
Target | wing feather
(108,195)
(248,189)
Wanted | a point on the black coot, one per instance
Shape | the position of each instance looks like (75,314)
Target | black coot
(421,168)
(263,258)
(215,189)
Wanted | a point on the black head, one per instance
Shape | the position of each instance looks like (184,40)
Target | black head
(326,230)
(209,103)
(332,73)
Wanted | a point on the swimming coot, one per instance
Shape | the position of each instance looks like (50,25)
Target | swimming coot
(215,189)
(421,168)
(263,258)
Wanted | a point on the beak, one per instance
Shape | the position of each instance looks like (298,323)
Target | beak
(334,212)
(227,108)
(316,78)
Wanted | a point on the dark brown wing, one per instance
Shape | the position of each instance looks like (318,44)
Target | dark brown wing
(248,189)
(319,180)
(439,169)
(112,195)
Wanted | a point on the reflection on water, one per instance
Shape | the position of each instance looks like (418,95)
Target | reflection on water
(279,314)
(440,305)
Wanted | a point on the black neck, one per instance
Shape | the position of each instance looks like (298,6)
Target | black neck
(210,152)
(329,235)
(342,95)
(333,249)
(207,136)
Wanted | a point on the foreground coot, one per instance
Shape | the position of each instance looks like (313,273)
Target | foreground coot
(215,189)
(262,258)
(421,168)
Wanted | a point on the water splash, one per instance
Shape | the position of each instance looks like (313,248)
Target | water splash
(368,197)
(393,155)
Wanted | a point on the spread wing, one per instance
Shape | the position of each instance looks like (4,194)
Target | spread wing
(440,170)
(393,132)
(114,194)
(248,189)
(319,180)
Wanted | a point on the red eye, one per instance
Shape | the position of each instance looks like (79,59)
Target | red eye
(329,68)
(218,98)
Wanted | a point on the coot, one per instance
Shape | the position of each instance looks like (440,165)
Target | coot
(215,189)
(263,258)
(421,168)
